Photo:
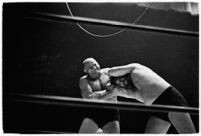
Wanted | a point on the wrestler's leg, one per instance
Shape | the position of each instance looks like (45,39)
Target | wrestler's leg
(182,122)
(156,125)
(112,127)
(88,126)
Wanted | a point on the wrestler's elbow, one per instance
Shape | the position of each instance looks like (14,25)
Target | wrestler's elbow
(134,65)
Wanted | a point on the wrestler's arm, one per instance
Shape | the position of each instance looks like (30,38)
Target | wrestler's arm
(122,70)
(87,92)
(129,93)
(111,92)
(123,93)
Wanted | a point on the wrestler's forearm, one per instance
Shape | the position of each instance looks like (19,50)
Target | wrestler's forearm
(100,92)
(96,95)
(121,70)
(109,94)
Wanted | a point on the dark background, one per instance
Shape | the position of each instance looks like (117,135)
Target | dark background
(43,57)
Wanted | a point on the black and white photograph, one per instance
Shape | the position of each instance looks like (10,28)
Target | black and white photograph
(100,67)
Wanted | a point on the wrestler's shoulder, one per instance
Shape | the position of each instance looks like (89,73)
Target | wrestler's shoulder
(84,79)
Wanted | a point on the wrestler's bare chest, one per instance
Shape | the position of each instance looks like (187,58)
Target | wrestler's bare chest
(100,84)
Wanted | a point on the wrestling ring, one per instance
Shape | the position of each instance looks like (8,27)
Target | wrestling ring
(79,102)
(104,104)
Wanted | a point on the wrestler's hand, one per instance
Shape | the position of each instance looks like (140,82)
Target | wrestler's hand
(112,88)
(109,87)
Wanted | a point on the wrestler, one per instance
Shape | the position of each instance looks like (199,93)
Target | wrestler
(93,86)
(141,83)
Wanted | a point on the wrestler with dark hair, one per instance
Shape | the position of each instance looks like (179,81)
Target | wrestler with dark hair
(139,82)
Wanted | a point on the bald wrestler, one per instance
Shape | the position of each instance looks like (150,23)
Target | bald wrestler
(141,83)
(93,86)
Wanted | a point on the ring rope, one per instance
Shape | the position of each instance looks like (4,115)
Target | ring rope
(107,35)
(66,18)
(79,102)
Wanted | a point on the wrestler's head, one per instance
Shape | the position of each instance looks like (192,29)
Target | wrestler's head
(119,81)
(91,67)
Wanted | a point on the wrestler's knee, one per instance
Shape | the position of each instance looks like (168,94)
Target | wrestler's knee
(88,126)
(88,122)
(182,122)
(112,127)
